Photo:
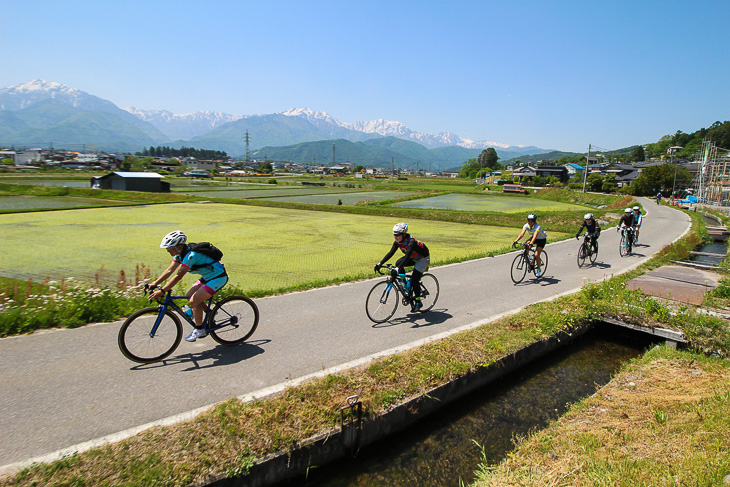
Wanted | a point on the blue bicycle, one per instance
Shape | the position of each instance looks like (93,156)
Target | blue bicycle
(383,298)
(153,333)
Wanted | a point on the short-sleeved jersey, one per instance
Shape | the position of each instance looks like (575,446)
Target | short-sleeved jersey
(535,228)
(627,219)
(592,227)
(209,269)
(410,247)
(638,219)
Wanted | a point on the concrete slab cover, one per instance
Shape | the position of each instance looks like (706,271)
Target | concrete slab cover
(678,283)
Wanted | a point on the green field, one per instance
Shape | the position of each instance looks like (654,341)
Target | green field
(46,202)
(265,248)
(486,202)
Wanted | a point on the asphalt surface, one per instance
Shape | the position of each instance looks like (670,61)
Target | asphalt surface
(65,390)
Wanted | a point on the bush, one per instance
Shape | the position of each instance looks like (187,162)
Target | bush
(272,181)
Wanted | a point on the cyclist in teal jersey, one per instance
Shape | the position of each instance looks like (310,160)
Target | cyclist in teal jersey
(538,238)
(213,277)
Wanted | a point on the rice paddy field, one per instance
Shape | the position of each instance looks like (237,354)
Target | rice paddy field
(47,202)
(49,182)
(265,248)
(327,195)
(486,202)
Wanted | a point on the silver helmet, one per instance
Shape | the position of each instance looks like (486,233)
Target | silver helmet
(173,239)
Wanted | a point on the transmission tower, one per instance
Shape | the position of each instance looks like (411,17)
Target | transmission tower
(247,139)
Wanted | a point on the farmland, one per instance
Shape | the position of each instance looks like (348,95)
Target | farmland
(497,203)
(266,249)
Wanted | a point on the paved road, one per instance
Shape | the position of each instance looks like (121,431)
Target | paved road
(62,389)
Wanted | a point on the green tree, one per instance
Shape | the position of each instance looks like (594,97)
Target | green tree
(661,178)
(609,184)
(594,182)
(489,158)
(469,169)
(265,167)
(637,155)
(7,162)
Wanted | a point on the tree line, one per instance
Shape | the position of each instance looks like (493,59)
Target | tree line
(164,151)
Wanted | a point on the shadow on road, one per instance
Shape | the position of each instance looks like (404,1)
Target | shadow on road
(600,265)
(418,320)
(543,281)
(220,355)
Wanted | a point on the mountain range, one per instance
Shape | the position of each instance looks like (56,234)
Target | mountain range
(43,113)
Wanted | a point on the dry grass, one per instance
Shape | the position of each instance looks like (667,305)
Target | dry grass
(664,420)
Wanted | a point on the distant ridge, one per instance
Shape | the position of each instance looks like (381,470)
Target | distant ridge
(39,113)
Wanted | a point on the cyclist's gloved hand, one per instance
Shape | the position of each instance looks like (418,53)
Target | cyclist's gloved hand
(577,236)
(377,267)
(146,287)
(394,272)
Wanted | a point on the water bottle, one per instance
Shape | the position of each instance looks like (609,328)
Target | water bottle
(186,309)
(532,261)
(408,286)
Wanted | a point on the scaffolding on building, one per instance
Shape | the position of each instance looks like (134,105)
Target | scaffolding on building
(712,182)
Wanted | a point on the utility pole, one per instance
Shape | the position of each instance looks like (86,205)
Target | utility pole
(247,139)
(585,171)
(392,166)
(333,154)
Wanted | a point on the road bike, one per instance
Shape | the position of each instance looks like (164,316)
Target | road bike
(624,245)
(153,333)
(524,262)
(383,298)
(587,251)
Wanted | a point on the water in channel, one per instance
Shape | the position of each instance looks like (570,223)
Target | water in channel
(442,449)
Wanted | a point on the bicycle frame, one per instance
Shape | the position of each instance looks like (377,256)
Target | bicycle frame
(169,303)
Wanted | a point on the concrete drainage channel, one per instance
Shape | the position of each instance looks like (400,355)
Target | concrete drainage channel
(356,433)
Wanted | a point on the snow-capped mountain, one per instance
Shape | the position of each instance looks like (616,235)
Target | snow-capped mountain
(392,128)
(24,95)
(183,126)
(40,111)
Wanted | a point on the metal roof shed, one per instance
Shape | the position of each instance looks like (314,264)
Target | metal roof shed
(133,181)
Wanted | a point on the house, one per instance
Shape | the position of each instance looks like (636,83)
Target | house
(132,181)
(524,172)
(559,172)
(574,168)
(20,158)
(450,174)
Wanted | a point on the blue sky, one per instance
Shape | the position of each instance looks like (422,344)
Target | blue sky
(557,75)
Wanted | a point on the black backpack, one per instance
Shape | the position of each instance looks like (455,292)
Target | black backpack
(208,250)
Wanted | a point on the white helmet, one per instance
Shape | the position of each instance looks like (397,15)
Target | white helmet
(173,239)
(627,210)
(636,208)
(588,216)
(532,217)
(400,228)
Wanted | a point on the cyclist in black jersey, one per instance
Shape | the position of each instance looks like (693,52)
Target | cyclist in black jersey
(626,223)
(593,230)
(416,255)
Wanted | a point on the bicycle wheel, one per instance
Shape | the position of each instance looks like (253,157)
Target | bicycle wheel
(594,254)
(543,267)
(623,246)
(381,302)
(519,268)
(233,320)
(583,252)
(429,291)
(136,341)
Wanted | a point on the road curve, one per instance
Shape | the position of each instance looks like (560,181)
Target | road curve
(68,389)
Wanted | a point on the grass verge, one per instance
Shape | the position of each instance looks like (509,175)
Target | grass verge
(663,420)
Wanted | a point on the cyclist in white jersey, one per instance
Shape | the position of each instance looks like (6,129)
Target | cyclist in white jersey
(537,237)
